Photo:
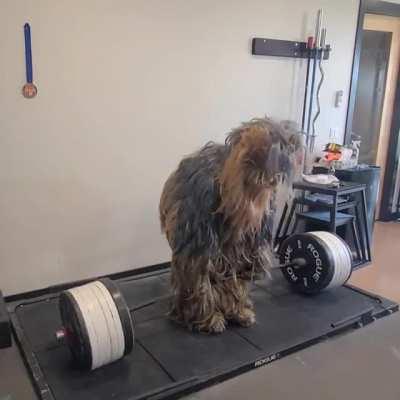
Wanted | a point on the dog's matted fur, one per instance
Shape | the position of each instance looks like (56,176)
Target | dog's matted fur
(216,211)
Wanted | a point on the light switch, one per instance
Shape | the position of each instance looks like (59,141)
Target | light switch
(339,98)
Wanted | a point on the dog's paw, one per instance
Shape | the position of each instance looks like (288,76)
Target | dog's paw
(246,317)
(216,324)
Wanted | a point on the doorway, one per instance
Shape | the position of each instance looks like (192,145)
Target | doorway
(375,101)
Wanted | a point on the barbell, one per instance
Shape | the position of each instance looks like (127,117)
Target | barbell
(315,261)
(97,323)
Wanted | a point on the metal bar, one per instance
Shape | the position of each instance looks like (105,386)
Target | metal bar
(361,232)
(289,219)
(303,120)
(318,27)
(367,236)
(317,53)
(333,214)
(281,221)
(356,238)
(296,223)
(311,102)
(367,315)
(295,263)
(309,47)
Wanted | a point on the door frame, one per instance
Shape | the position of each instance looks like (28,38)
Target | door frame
(393,158)
(392,10)
(366,7)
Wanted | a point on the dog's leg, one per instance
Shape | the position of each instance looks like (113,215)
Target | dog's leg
(235,302)
(194,303)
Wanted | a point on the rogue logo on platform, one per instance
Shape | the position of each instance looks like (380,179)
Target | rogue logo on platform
(266,360)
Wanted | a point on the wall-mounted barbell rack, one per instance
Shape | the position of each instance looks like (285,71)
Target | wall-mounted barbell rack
(315,51)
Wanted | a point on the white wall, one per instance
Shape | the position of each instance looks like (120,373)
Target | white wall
(126,87)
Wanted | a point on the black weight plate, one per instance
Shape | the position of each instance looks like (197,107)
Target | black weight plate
(123,311)
(320,266)
(77,336)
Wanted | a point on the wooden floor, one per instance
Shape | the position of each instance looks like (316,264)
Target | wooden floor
(383,276)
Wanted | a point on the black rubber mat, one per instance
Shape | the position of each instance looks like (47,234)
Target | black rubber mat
(169,361)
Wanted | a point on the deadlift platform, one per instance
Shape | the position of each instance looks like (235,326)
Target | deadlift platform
(167,361)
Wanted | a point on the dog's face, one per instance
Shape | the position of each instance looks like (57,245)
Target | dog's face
(261,156)
(265,154)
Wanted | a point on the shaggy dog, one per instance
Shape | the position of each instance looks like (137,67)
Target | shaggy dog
(217,212)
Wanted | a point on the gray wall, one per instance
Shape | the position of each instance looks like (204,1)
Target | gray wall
(126,87)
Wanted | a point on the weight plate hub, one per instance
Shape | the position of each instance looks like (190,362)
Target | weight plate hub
(328,261)
(97,323)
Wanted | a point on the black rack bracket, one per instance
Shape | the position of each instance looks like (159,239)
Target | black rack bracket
(285,48)
(5,327)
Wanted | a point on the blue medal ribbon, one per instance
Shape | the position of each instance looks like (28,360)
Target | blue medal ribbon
(28,53)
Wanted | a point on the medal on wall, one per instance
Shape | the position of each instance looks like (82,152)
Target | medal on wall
(29,90)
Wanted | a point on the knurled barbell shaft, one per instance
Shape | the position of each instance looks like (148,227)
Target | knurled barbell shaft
(295,263)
